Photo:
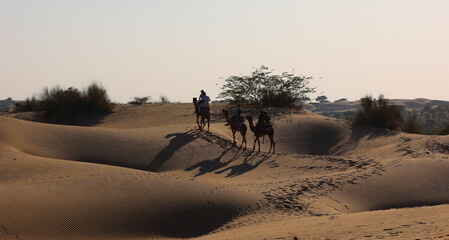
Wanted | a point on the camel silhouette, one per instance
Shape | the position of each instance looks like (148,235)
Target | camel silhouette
(204,113)
(260,132)
(238,126)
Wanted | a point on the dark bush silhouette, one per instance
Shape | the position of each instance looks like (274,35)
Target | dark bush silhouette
(273,99)
(412,126)
(63,106)
(28,105)
(379,113)
(164,99)
(140,100)
(266,89)
(445,130)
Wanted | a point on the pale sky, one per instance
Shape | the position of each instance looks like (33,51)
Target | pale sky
(176,48)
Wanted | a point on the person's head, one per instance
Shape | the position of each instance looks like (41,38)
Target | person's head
(203,92)
(238,105)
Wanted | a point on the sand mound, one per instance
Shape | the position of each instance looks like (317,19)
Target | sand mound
(326,179)
(299,134)
(405,184)
(49,198)
(147,149)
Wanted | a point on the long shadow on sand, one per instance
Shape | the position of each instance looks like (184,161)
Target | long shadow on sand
(246,166)
(179,140)
(207,166)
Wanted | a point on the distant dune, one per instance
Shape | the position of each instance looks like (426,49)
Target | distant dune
(410,104)
(6,104)
(146,172)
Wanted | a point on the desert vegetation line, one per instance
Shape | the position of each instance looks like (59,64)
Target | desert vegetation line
(57,105)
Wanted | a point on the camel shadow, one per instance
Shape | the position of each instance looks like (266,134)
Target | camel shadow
(207,166)
(246,166)
(179,140)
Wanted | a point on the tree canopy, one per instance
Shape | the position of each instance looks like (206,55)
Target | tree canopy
(267,89)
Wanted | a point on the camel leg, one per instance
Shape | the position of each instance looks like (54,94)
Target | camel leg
(258,141)
(208,123)
(233,137)
(203,123)
(244,140)
(272,143)
(254,145)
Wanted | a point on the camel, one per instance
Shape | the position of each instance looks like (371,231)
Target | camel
(195,104)
(204,114)
(239,127)
(262,131)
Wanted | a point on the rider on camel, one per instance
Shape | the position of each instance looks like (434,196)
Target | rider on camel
(237,114)
(203,101)
(264,120)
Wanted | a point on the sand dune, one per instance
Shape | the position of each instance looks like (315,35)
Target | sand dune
(46,198)
(146,172)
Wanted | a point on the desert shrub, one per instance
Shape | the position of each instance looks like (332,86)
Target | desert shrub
(164,99)
(266,89)
(445,130)
(379,113)
(140,100)
(96,100)
(299,107)
(412,126)
(63,106)
(29,105)
(341,100)
(274,99)
(322,99)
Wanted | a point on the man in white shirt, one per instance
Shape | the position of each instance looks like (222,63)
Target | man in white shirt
(204,101)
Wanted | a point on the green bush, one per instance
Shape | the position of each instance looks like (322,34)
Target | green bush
(63,106)
(379,113)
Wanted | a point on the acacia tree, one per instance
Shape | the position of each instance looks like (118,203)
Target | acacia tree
(267,89)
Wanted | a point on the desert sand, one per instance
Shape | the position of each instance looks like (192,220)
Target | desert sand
(146,172)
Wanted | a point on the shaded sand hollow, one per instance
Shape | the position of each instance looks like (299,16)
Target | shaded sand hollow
(146,172)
